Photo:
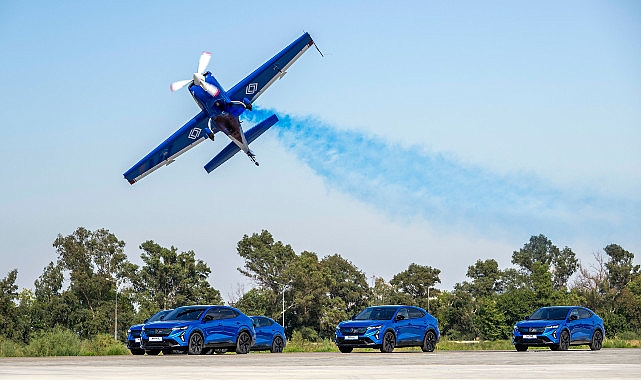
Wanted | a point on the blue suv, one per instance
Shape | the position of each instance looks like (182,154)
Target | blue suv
(387,327)
(199,330)
(133,334)
(559,327)
(270,335)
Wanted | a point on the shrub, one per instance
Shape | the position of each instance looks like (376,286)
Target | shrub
(102,345)
(55,342)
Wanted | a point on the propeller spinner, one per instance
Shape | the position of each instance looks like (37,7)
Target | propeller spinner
(198,79)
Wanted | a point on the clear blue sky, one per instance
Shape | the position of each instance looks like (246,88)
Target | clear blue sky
(431,132)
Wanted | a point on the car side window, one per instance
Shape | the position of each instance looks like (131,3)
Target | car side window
(267,322)
(584,314)
(416,313)
(402,313)
(211,315)
(574,314)
(227,314)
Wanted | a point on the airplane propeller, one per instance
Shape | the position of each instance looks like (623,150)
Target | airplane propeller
(205,57)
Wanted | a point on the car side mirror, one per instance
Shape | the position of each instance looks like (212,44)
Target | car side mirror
(208,318)
(574,317)
(400,317)
(145,321)
(527,317)
(254,324)
(352,317)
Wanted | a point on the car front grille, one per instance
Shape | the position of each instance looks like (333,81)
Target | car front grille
(157,332)
(531,330)
(353,330)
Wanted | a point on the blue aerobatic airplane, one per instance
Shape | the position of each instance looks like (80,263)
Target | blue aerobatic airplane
(220,111)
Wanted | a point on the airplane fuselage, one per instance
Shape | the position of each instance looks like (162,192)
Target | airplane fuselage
(222,112)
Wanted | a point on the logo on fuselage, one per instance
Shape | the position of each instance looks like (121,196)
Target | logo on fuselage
(251,88)
(194,133)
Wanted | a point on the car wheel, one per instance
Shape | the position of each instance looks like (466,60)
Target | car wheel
(195,344)
(520,347)
(152,352)
(389,341)
(564,341)
(597,340)
(243,343)
(220,351)
(345,350)
(137,352)
(429,342)
(277,345)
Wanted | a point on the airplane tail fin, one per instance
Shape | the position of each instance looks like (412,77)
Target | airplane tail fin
(231,149)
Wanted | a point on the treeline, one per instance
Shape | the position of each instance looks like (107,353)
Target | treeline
(92,288)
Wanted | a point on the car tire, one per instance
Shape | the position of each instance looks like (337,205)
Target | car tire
(345,350)
(243,343)
(597,340)
(152,352)
(564,340)
(195,346)
(429,341)
(277,345)
(220,351)
(137,352)
(389,342)
(520,347)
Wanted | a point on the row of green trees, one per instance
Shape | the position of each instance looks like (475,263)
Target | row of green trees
(92,288)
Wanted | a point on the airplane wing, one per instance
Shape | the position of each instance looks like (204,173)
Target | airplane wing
(258,81)
(188,136)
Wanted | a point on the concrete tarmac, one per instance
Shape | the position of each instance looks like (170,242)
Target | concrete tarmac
(533,364)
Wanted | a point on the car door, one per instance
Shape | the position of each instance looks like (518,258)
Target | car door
(586,324)
(262,334)
(212,326)
(402,327)
(230,323)
(574,325)
(417,325)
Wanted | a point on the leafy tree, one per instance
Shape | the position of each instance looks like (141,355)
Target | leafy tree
(486,278)
(382,293)
(265,260)
(347,283)
(258,301)
(491,320)
(455,313)
(95,262)
(309,301)
(416,281)
(8,309)
(169,279)
(540,251)
(620,268)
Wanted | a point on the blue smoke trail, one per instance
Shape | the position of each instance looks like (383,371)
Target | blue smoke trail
(409,182)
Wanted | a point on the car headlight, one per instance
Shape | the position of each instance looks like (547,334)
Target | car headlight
(374,327)
(179,328)
(128,331)
(515,328)
(552,327)
(143,328)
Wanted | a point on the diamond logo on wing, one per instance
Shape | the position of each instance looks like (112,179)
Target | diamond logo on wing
(251,88)
(194,133)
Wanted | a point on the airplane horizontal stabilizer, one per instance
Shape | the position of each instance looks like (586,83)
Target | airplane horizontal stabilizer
(231,149)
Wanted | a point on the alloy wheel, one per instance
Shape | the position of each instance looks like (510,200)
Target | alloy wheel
(597,341)
(429,342)
(195,344)
(243,344)
(389,341)
(564,341)
(277,345)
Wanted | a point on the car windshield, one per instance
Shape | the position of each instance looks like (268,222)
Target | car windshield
(550,313)
(376,314)
(159,316)
(185,314)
